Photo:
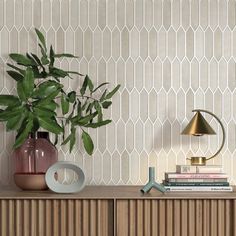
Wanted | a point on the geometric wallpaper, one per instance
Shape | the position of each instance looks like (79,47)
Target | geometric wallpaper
(169,57)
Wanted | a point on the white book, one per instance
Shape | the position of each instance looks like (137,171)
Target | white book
(199,188)
(199,169)
(186,169)
(209,169)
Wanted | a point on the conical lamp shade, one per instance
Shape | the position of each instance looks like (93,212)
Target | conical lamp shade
(198,126)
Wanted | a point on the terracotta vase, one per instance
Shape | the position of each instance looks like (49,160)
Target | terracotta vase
(31,161)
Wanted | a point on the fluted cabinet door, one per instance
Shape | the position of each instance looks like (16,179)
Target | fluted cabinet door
(62,217)
(176,217)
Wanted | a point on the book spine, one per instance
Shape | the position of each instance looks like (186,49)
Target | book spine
(196,184)
(186,169)
(202,189)
(211,170)
(194,176)
(179,180)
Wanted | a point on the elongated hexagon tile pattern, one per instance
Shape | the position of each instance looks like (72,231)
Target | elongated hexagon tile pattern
(169,57)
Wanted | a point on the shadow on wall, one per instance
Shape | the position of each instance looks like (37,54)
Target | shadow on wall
(168,136)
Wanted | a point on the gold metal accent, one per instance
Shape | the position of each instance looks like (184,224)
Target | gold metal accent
(198,126)
(198,161)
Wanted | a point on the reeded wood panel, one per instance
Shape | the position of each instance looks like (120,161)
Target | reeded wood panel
(176,217)
(56,217)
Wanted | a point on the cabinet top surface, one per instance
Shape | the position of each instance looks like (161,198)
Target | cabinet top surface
(114,192)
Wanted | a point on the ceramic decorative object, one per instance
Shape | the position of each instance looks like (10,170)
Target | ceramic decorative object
(152,183)
(57,187)
(31,161)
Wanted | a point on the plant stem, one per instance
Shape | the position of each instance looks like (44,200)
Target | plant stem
(88,97)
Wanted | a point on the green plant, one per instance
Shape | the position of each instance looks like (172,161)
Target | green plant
(41,97)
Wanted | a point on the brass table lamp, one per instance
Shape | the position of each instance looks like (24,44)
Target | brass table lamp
(198,126)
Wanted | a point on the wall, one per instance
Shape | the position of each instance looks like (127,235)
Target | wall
(169,57)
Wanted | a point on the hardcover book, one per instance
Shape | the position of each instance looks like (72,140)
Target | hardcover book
(195,183)
(172,175)
(198,180)
(199,188)
(199,169)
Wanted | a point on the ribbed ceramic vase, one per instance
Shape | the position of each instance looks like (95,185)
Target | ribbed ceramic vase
(31,161)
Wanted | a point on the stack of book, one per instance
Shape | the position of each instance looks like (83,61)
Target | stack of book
(197,178)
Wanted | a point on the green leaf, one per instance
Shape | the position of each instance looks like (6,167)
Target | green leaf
(23,132)
(100,86)
(50,125)
(14,123)
(106,104)
(72,138)
(43,112)
(35,125)
(90,85)
(68,119)
(79,108)
(31,58)
(20,91)
(65,55)
(72,96)
(85,104)
(21,59)
(56,72)
(81,121)
(45,60)
(84,86)
(48,99)
(88,143)
(28,82)
(74,72)
(36,72)
(50,106)
(90,107)
(15,75)
(16,68)
(66,140)
(38,60)
(43,52)
(109,95)
(51,55)
(41,39)
(8,114)
(8,100)
(102,98)
(98,124)
(64,104)
(99,110)
(46,88)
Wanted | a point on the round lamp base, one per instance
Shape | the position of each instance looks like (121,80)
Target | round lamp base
(31,182)
(198,161)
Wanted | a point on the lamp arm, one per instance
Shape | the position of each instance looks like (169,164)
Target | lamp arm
(222,127)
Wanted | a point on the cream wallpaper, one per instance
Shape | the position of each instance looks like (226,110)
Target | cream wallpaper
(170,56)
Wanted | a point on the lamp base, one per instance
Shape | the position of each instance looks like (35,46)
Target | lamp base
(198,161)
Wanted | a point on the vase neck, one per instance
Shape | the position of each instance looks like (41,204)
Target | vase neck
(39,134)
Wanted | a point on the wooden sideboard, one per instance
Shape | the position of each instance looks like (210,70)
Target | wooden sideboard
(118,211)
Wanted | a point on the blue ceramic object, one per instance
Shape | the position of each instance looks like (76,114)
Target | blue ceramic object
(152,183)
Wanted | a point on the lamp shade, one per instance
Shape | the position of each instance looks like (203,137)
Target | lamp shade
(198,126)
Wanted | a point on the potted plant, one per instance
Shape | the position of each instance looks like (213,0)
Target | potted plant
(42,103)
